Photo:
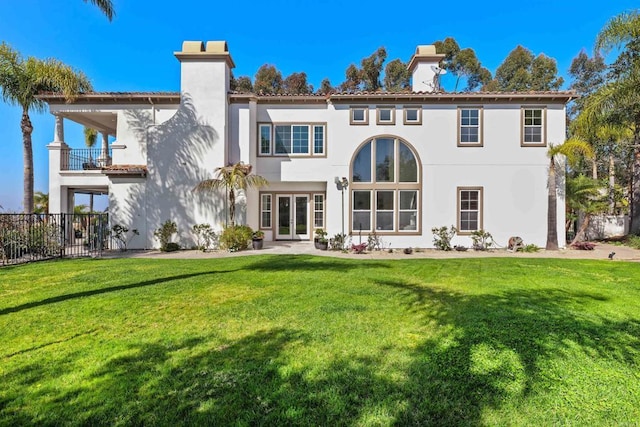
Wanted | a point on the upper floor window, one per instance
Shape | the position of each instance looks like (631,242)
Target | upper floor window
(533,127)
(470,127)
(359,115)
(412,115)
(386,115)
(291,139)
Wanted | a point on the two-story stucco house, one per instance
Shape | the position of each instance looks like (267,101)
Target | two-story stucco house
(410,161)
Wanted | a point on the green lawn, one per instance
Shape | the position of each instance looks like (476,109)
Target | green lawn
(299,340)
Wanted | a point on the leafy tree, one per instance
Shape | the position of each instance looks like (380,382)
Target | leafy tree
(353,82)
(588,75)
(41,202)
(232,178)
(106,6)
(621,95)
(572,150)
(372,68)
(21,80)
(521,71)
(396,76)
(244,85)
(583,195)
(296,83)
(325,87)
(462,64)
(268,80)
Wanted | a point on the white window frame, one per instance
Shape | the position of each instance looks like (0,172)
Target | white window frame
(542,126)
(370,210)
(479,210)
(260,127)
(418,111)
(324,140)
(264,196)
(364,121)
(392,115)
(317,210)
(462,125)
(415,211)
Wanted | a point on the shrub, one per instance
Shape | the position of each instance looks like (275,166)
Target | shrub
(206,238)
(164,233)
(119,233)
(374,242)
(337,243)
(633,241)
(482,240)
(528,248)
(442,237)
(236,237)
(172,247)
(320,235)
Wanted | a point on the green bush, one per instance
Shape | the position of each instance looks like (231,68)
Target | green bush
(172,247)
(206,238)
(633,241)
(442,237)
(482,240)
(236,238)
(164,233)
(528,248)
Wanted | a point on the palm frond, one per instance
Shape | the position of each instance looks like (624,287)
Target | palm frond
(106,6)
(619,30)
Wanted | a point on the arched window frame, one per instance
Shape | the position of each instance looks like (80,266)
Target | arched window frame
(379,191)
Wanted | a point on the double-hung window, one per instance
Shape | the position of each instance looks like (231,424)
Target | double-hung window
(266,211)
(470,127)
(469,209)
(533,127)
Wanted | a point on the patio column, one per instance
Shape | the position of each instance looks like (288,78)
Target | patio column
(104,159)
(58,132)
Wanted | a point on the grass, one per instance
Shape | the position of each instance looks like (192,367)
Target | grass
(302,340)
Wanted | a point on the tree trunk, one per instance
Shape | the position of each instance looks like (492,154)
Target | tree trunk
(27,155)
(581,234)
(232,206)
(612,185)
(552,214)
(594,169)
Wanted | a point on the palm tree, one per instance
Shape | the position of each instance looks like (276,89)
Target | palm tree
(572,149)
(232,178)
(584,194)
(21,80)
(106,6)
(621,96)
(41,203)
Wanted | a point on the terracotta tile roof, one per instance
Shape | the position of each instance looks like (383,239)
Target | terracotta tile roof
(115,98)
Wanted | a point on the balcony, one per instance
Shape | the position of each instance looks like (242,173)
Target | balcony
(79,159)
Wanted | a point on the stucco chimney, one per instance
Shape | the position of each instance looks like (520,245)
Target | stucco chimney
(423,66)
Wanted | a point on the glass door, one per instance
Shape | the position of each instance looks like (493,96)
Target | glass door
(293,217)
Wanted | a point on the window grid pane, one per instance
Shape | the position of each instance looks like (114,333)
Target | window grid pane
(361,210)
(469,210)
(283,139)
(470,125)
(300,139)
(408,210)
(318,140)
(318,211)
(265,139)
(266,211)
(532,132)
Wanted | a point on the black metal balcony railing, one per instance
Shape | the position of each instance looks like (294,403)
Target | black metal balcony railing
(77,159)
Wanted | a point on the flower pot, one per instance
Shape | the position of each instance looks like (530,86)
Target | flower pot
(257,243)
(323,246)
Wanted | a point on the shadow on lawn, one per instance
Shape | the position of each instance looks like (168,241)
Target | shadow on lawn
(489,351)
(67,297)
(288,263)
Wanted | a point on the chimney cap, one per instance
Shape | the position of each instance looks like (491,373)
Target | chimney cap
(197,50)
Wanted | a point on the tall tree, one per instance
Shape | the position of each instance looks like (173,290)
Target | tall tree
(621,95)
(583,195)
(522,71)
(353,82)
(106,6)
(588,75)
(372,69)
(325,87)
(243,84)
(462,63)
(21,80)
(268,80)
(572,150)
(396,76)
(296,83)
(232,178)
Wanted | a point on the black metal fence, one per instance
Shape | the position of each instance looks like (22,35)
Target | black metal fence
(77,159)
(35,237)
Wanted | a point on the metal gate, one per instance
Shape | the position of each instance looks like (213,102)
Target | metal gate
(35,237)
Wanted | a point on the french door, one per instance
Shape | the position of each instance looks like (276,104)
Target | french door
(293,217)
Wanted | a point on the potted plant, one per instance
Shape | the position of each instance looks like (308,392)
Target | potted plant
(257,239)
(320,240)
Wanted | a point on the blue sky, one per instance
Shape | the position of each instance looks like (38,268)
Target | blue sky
(135,51)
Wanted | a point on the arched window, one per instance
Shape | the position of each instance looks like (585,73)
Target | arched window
(385,187)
